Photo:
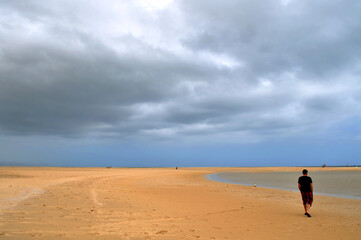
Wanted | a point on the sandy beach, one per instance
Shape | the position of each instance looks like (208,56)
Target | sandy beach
(164,203)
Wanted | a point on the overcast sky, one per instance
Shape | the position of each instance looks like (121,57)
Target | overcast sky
(193,83)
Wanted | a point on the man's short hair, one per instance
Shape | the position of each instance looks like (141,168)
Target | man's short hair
(304,171)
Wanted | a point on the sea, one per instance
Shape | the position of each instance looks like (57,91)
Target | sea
(343,184)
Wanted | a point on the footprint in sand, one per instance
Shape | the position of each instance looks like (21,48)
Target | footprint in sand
(35,235)
(162,232)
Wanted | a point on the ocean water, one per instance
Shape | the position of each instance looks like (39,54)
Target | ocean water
(344,184)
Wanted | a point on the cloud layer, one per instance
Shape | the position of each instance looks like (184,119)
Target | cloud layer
(239,71)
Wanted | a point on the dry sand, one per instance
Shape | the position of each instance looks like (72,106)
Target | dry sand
(94,203)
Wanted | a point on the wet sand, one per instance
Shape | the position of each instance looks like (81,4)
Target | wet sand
(94,203)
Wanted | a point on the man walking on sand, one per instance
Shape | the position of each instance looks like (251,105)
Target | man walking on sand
(306,188)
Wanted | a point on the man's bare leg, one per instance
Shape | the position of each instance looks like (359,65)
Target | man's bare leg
(307,209)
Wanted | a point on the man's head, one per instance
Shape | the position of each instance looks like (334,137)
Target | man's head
(304,171)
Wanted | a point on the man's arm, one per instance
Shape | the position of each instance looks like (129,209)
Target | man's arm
(299,186)
(311,185)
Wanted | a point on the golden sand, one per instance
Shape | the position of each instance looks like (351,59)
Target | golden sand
(95,203)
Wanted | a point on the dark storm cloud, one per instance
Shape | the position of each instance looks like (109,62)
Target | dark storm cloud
(49,91)
(244,69)
(315,37)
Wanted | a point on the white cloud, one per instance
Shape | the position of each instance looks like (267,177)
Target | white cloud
(155,4)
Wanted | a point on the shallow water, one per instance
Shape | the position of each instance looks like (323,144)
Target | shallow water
(345,184)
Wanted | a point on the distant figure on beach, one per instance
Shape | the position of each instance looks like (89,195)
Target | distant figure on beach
(306,188)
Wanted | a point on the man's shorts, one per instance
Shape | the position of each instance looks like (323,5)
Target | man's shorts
(307,198)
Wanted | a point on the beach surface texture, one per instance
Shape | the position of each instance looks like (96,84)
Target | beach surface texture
(164,203)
